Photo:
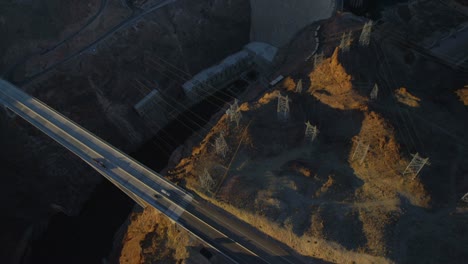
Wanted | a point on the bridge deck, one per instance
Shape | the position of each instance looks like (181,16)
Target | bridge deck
(234,239)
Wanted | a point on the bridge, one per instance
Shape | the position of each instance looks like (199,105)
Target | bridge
(236,240)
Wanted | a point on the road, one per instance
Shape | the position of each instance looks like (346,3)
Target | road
(231,237)
(124,24)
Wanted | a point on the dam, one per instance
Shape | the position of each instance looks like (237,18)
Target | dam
(276,21)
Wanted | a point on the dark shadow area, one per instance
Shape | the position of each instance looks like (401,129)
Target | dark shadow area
(178,130)
(88,237)
(369,8)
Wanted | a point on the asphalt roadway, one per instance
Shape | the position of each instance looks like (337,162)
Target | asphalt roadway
(233,238)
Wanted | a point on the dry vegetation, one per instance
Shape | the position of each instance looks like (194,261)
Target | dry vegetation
(151,237)
(273,184)
(404,97)
(315,197)
(463,94)
(332,85)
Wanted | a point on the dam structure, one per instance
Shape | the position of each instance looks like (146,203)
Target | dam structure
(277,21)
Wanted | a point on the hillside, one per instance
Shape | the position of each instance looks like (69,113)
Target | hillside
(321,198)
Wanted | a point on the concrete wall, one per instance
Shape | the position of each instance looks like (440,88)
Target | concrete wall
(277,21)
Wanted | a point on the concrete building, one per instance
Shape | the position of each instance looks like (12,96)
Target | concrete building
(211,79)
(153,109)
(256,55)
(263,55)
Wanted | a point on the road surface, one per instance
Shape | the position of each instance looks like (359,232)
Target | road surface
(233,238)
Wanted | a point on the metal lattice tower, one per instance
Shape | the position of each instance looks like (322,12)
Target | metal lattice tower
(235,105)
(465,198)
(299,86)
(234,113)
(206,181)
(318,59)
(283,107)
(374,92)
(360,152)
(311,132)
(234,116)
(364,39)
(346,41)
(416,165)
(221,146)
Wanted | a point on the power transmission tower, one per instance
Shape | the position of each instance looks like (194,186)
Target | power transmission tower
(360,152)
(465,198)
(416,165)
(374,92)
(234,113)
(299,86)
(234,116)
(235,105)
(346,41)
(206,181)
(283,107)
(221,146)
(364,39)
(318,59)
(311,132)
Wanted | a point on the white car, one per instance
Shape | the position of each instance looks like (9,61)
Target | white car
(165,192)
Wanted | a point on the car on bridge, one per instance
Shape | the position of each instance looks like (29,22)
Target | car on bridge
(100,163)
(165,192)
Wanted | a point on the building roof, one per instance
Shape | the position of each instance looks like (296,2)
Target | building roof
(207,73)
(264,50)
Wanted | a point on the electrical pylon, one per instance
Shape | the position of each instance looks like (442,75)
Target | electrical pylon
(360,152)
(465,198)
(221,146)
(299,86)
(346,41)
(283,107)
(234,113)
(374,92)
(206,181)
(311,132)
(416,165)
(364,39)
(318,59)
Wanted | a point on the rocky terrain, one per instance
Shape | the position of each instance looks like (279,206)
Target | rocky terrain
(318,197)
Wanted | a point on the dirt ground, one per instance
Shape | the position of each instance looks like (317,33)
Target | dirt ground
(321,198)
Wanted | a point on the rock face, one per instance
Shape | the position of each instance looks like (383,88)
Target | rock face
(327,201)
(276,21)
(98,91)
